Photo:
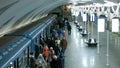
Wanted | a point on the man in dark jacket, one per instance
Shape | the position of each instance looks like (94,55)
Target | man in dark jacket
(52,42)
(48,42)
(56,49)
(32,61)
(69,29)
(37,49)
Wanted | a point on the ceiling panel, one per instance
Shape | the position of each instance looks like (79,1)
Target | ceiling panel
(115,1)
(98,1)
(4,3)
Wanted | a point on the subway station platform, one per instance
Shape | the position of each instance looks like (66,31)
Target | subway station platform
(29,26)
(79,55)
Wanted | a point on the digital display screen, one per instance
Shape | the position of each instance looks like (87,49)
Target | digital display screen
(115,25)
(101,25)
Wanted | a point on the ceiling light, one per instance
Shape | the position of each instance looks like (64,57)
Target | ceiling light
(74,3)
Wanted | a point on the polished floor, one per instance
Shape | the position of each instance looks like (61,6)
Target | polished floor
(79,55)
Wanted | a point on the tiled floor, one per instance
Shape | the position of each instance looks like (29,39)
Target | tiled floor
(79,55)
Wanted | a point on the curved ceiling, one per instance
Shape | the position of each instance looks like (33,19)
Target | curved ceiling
(20,8)
(12,11)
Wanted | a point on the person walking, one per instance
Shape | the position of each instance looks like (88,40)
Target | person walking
(45,52)
(69,29)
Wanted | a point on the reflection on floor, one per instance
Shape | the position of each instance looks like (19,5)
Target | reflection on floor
(79,55)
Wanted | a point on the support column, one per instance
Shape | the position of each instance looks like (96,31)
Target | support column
(115,41)
(107,54)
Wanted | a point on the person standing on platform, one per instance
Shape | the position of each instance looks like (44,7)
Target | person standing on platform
(63,44)
(32,61)
(52,42)
(37,49)
(59,32)
(48,42)
(40,62)
(51,54)
(63,33)
(45,52)
(63,24)
(61,60)
(56,49)
(69,29)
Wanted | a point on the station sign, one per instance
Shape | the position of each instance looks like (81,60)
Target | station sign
(115,25)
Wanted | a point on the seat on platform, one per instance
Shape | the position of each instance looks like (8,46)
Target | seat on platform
(92,42)
(84,33)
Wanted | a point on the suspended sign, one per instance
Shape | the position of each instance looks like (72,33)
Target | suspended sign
(84,17)
(92,17)
(115,25)
(76,13)
(101,25)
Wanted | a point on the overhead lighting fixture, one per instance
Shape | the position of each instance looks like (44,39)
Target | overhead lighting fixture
(97,4)
(74,3)
(108,1)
